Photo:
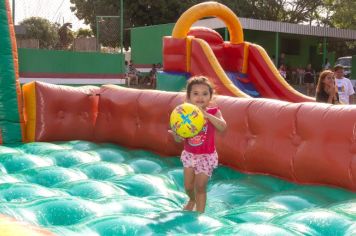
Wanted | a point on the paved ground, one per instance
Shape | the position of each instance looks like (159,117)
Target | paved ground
(141,85)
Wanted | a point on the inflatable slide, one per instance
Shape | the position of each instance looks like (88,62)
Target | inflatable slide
(236,68)
(99,161)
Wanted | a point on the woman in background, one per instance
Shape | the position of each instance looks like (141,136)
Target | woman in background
(326,91)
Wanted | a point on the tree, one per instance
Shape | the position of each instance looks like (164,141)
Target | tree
(151,12)
(41,29)
(291,11)
(84,33)
(88,11)
(109,31)
(66,36)
(345,18)
(136,13)
(340,14)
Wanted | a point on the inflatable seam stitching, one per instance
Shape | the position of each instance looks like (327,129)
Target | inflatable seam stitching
(247,111)
(294,156)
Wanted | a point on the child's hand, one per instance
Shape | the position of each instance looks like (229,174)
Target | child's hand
(176,137)
(206,114)
(217,120)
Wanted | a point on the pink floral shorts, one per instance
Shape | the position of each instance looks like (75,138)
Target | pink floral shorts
(201,163)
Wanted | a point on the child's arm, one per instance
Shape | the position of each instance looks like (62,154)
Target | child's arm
(217,120)
(176,137)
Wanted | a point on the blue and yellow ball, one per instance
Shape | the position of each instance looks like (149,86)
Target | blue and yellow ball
(187,120)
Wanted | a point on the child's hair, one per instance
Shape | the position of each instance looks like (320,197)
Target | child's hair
(199,80)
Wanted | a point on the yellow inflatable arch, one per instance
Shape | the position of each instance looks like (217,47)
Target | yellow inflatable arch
(206,9)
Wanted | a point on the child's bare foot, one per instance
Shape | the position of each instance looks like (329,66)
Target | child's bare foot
(190,206)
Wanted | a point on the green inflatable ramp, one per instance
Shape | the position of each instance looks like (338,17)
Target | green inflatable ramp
(11,117)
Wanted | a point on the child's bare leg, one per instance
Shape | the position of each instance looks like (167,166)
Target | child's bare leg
(189,177)
(201,181)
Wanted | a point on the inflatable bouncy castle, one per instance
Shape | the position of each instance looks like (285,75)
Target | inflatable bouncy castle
(236,68)
(99,160)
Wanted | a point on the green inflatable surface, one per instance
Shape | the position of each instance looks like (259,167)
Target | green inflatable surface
(10,118)
(84,188)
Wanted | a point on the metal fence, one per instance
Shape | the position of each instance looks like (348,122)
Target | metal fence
(55,31)
(108,33)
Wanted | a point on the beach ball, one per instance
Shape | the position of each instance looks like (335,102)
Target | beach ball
(187,120)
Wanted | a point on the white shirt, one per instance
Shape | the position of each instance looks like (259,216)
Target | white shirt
(345,89)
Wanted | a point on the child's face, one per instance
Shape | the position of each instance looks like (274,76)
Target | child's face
(339,73)
(200,95)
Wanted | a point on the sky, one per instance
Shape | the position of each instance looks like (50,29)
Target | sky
(53,10)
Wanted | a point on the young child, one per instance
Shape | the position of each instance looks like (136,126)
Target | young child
(199,156)
(344,85)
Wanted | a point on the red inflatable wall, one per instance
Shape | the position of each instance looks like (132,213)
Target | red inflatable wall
(175,54)
(55,113)
(302,142)
(177,51)
(230,56)
(137,118)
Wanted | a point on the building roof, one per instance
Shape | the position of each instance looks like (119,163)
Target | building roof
(282,27)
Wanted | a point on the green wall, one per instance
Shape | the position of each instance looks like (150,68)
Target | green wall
(307,52)
(265,39)
(51,61)
(268,41)
(146,43)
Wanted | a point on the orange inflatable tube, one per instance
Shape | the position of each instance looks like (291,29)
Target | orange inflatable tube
(11,227)
(303,142)
(52,114)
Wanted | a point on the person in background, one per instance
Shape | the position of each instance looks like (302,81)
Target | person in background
(326,65)
(326,90)
(300,75)
(309,75)
(158,66)
(153,76)
(282,70)
(282,59)
(133,74)
(344,85)
(199,156)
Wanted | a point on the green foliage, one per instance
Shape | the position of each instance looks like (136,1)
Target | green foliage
(84,33)
(109,31)
(89,10)
(291,11)
(341,14)
(136,13)
(43,30)
(152,12)
(336,13)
